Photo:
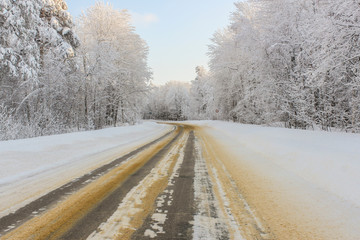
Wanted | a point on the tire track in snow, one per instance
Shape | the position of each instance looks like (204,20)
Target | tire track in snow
(243,220)
(139,200)
(174,210)
(35,208)
(194,196)
(189,208)
(82,212)
(209,221)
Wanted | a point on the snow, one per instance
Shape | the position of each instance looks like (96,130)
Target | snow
(313,177)
(306,174)
(210,221)
(330,161)
(33,167)
(127,213)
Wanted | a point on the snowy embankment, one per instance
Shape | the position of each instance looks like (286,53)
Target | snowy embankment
(33,167)
(303,183)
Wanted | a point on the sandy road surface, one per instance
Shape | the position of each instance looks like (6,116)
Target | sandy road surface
(181,186)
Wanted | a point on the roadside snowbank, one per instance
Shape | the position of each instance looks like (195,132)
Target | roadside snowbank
(35,166)
(304,183)
(330,161)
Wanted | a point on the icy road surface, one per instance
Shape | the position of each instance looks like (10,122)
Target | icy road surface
(190,180)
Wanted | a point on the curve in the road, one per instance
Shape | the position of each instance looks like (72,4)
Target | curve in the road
(176,187)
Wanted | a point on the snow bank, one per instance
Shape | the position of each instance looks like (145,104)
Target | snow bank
(32,167)
(330,161)
(305,184)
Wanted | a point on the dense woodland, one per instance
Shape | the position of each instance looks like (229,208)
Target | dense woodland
(57,76)
(291,63)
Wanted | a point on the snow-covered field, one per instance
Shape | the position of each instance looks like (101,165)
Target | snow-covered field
(32,167)
(312,177)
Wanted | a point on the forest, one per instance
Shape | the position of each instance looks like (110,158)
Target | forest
(282,63)
(58,76)
(286,63)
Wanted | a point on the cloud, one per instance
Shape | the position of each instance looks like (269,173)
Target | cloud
(143,20)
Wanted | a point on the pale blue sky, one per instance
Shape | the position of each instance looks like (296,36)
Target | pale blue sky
(177,31)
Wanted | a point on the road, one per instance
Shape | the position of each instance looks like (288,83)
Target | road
(175,187)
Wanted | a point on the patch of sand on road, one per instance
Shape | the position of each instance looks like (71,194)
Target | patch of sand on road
(240,217)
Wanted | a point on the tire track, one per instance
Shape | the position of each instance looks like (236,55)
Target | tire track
(175,187)
(209,221)
(35,208)
(59,220)
(174,213)
(139,201)
(243,220)
(90,222)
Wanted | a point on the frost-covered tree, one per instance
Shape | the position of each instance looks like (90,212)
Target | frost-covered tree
(199,94)
(114,64)
(49,84)
(19,48)
(169,102)
(290,62)
(337,52)
(34,36)
(57,34)
(237,67)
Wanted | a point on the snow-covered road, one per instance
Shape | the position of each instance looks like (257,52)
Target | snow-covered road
(35,166)
(212,180)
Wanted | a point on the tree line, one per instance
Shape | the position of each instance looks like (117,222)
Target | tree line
(290,63)
(58,76)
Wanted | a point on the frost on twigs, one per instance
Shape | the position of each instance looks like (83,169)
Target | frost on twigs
(34,36)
